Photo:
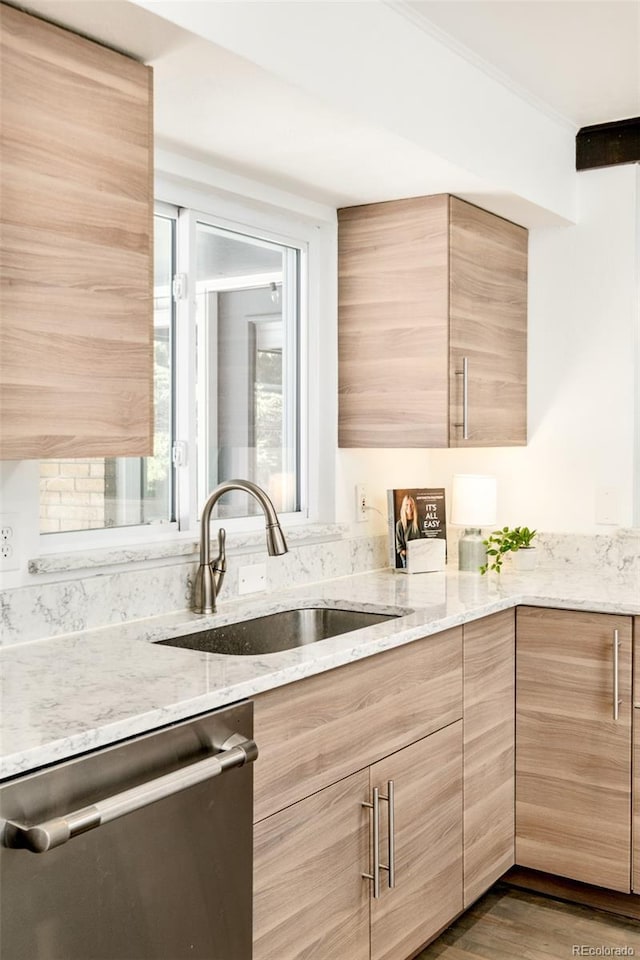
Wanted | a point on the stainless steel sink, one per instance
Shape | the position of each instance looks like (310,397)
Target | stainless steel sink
(278,631)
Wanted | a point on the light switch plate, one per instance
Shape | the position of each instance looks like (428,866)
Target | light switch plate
(253,578)
(608,505)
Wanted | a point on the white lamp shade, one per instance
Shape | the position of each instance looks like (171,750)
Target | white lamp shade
(473,502)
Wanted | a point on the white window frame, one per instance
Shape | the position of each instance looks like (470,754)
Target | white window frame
(317,364)
(296,362)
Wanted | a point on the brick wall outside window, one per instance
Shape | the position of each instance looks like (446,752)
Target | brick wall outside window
(72,495)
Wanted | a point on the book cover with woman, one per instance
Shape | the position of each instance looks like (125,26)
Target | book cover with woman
(414,514)
(407,528)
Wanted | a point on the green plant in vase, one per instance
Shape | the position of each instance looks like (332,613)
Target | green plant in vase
(505,541)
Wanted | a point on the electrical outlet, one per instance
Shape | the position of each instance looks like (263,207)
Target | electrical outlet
(362,501)
(9,554)
(253,578)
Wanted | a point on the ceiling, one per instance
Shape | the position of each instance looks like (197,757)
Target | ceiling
(581,58)
(577,59)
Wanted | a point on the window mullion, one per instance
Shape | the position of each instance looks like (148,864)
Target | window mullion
(290,311)
(185,373)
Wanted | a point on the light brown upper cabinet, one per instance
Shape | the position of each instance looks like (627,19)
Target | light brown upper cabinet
(432,325)
(76,368)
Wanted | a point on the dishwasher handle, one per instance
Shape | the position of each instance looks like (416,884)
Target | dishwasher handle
(53,833)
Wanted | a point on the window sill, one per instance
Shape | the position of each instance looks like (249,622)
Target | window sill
(181,550)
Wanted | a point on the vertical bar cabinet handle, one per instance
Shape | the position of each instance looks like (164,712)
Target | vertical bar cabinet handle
(464,373)
(375,876)
(616,675)
(392,833)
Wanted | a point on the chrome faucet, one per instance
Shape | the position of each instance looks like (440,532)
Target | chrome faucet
(210,575)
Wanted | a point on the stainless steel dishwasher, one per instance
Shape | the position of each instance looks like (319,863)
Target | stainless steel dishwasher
(140,850)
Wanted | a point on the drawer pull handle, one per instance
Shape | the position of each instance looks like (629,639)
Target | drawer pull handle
(375,876)
(391,839)
(616,675)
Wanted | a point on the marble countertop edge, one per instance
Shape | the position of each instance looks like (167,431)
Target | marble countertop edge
(80,692)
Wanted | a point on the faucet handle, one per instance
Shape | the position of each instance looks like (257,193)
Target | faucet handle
(220,562)
(219,565)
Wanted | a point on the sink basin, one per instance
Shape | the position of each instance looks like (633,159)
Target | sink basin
(278,631)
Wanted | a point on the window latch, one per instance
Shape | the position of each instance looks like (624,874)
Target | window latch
(179,453)
(179,287)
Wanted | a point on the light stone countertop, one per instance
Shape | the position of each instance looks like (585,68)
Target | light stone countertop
(67,695)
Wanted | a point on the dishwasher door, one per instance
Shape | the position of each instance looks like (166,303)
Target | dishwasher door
(139,877)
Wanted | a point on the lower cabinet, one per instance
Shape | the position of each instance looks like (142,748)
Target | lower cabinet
(489,751)
(573,735)
(309,898)
(427,787)
(380,741)
(312,896)
(325,727)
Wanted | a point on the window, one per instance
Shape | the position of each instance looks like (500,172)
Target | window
(247,367)
(227,385)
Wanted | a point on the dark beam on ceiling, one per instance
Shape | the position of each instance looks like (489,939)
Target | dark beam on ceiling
(607,144)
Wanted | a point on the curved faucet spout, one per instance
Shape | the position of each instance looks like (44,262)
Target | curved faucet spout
(209,575)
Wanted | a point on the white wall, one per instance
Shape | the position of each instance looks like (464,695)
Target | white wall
(584,388)
(375,61)
(583,395)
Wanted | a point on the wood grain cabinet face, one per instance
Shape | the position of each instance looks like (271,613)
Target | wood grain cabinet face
(488,327)
(309,732)
(489,751)
(325,743)
(428,286)
(76,364)
(427,779)
(573,764)
(311,899)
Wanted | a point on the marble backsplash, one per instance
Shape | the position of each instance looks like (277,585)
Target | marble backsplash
(619,551)
(134,591)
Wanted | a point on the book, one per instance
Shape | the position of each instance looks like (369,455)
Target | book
(417,529)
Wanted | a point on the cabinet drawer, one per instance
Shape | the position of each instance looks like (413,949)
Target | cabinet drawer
(318,730)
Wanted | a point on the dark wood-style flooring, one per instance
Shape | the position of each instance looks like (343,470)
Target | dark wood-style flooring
(511,924)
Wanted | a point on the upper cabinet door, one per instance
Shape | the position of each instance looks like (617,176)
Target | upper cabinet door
(429,287)
(392,336)
(488,329)
(76,244)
